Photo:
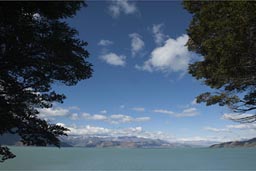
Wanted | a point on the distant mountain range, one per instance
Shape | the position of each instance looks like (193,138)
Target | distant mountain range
(102,142)
(247,143)
(128,142)
(120,142)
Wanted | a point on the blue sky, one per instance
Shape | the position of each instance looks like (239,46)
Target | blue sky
(140,85)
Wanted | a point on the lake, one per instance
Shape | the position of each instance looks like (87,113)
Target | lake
(183,159)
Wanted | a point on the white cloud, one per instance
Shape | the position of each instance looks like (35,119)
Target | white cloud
(98,117)
(137,43)
(158,35)
(74,116)
(138,109)
(235,132)
(50,113)
(100,131)
(53,112)
(138,131)
(114,59)
(120,118)
(61,124)
(173,56)
(114,119)
(86,115)
(105,42)
(88,130)
(189,112)
(142,119)
(242,126)
(237,128)
(163,111)
(216,129)
(121,6)
(95,117)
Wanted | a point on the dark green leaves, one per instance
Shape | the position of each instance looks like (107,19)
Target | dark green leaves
(37,49)
(224,32)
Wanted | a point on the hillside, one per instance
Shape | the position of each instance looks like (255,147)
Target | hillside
(232,144)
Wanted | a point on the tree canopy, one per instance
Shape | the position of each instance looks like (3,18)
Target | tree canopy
(37,49)
(224,33)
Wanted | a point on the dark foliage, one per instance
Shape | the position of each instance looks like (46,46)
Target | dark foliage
(37,49)
(224,33)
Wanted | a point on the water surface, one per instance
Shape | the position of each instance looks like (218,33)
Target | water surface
(113,159)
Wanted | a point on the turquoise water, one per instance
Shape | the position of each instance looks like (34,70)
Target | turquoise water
(196,159)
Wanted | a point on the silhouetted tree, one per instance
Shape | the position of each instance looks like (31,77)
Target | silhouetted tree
(37,49)
(224,33)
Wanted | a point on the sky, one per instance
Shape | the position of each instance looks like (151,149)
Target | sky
(140,84)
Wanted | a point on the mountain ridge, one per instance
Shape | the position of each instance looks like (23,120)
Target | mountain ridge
(102,142)
(233,144)
(120,142)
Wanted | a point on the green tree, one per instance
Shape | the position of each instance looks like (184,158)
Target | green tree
(224,33)
(37,49)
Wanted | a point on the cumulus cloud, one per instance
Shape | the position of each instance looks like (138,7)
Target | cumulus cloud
(139,109)
(114,59)
(114,119)
(158,35)
(53,112)
(120,118)
(137,44)
(163,111)
(173,56)
(74,116)
(105,42)
(117,7)
(99,117)
(50,113)
(189,112)
(96,117)
(101,131)
(88,130)
(138,131)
